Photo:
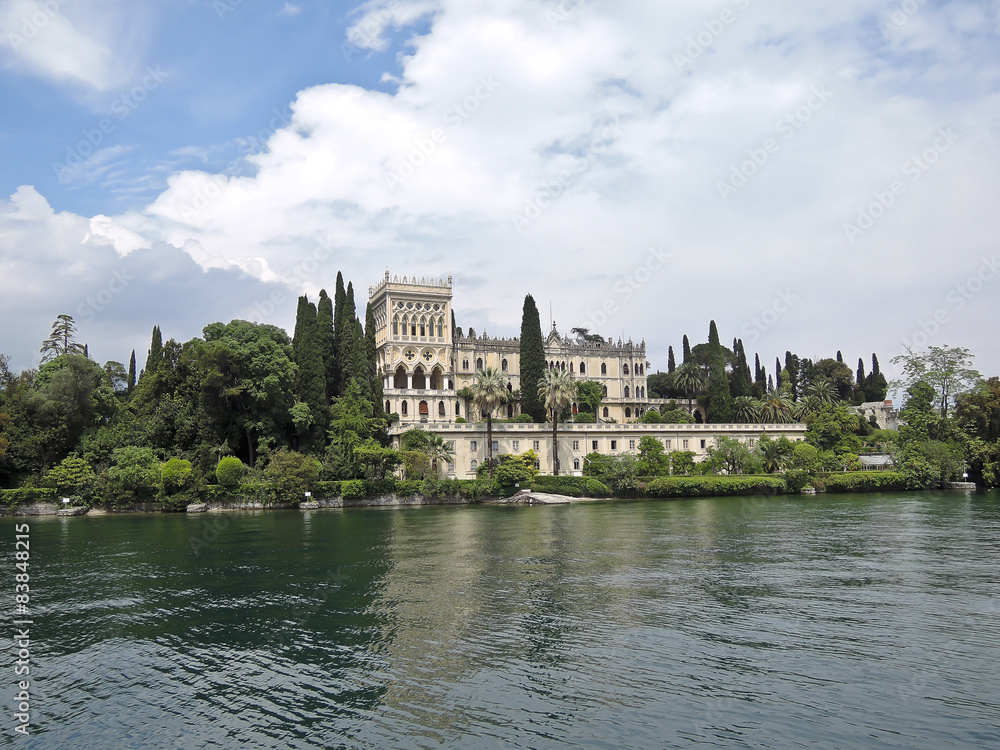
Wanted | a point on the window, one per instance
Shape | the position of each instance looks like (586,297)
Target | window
(571,367)
(534,445)
(604,369)
(458,409)
(583,371)
(626,391)
(685,445)
(450,445)
(496,446)
(440,330)
(604,412)
(625,369)
(479,363)
(413,327)
(576,445)
(388,408)
(668,442)
(510,411)
(538,465)
(395,326)
(576,464)
(703,445)
(440,408)
(631,445)
(751,442)
(503,366)
(465,364)
(403,409)
(628,412)
(451,467)
(514,445)
(473,445)
(423,328)
(474,464)
(614,445)
(593,443)
(424,409)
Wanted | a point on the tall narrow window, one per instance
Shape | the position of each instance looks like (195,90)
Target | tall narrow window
(503,366)
(395,326)
(604,369)
(479,363)
(440,329)
(583,369)
(625,369)
(626,391)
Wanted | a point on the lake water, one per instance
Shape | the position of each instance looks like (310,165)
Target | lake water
(837,621)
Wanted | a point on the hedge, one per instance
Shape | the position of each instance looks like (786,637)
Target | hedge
(864,481)
(571,486)
(750,484)
(27,496)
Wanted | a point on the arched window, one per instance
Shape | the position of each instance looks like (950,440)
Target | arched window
(564,367)
(440,408)
(642,369)
(604,412)
(424,410)
(395,326)
(626,391)
(402,409)
(604,391)
(436,377)
(474,464)
(479,363)
(583,369)
(399,379)
(571,367)
(388,407)
(450,386)
(419,380)
(510,411)
(628,412)
(503,366)
(625,369)
(413,326)
(576,464)
(643,389)
(604,369)
(510,387)
(458,409)
(465,364)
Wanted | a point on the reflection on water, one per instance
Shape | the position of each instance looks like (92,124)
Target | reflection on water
(859,621)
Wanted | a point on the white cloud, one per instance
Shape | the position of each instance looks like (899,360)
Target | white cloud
(623,120)
(290,10)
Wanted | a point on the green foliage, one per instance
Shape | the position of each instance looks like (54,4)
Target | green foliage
(176,474)
(27,496)
(62,340)
(291,474)
(866,481)
(947,370)
(532,361)
(73,476)
(805,456)
(681,463)
(376,461)
(516,469)
(676,416)
(617,472)
(664,487)
(416,464)
(570,486)
(720,402)
(589,394)
(652,458)
(730,455)
(927,463)
(796,479)
(133,477)
(353,489)
(352,422)
(463,420)
(310,376)
(230,471)
(585,417)
(652,416)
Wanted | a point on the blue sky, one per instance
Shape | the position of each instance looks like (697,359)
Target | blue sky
(813,176)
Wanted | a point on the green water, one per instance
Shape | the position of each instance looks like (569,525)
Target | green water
(839,621)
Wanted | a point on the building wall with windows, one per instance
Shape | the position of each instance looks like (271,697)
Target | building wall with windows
(423,369)
(575,441)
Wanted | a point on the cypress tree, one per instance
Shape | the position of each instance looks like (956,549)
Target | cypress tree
(339,330)
(327,343)
(371,356)
(859,377)
(671,364)
(131,372)
(742,383)
(760,381)
(686,356)
(155,355)
(875,384)
(310,378)
(720,401)
(357,366)
(777,370)
(840,357)
(532,360)
(770,383)
(792,366)
(345,332)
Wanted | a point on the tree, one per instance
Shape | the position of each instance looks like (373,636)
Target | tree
(746,409)
(689,379)
(292,474)
(946,369)
(729,454)
(73,476)
(876,385)
(557,389)
(653,461)
(760,378)
(978,411)
(720,403)
(671,364)
(438,451)
(584,334)
(837,374)
(776,454)
(775,408)
(489,390)
(133,477)
(62,340)
(532,361)
(352,422)
(155,354)
(685,351)
(230,471)
(310,378)
(377,460)
(339,328)
(589,395)
(131,372)
(327,343)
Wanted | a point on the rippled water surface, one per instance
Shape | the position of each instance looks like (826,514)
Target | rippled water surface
(842,621)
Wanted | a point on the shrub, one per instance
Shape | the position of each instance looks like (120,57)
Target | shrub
(328,489)
(866,481)
(584,417)
(27,496)
(176,474)
(805,456)
(796,479)
(230,471)
(712,486)
(460,420)
(291,474)
(72,477)
(353,489)
(134,477)
(408,488)
(571,486)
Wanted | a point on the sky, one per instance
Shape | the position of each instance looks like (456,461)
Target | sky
(813,176)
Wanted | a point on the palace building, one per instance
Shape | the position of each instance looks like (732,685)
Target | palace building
(424,369)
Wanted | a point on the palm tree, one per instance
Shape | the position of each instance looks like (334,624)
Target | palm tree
(690,378)
(823,390)
(489,390)
(558,389)
(808,406)
(746,409)
(775,408)
(774,458)
(436,449)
